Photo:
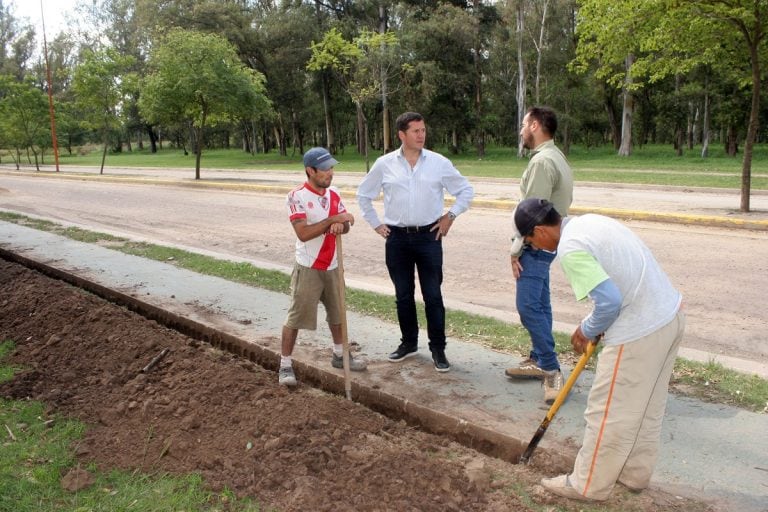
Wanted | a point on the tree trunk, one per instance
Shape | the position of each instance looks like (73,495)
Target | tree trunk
(478,103)
(705,123)
(298,136)
(365,140)
(279,130)
(198,150)
(520,96)
(610,108)
(480,133)
(385,135)
(693,124)
(152,138)
(567,129)
(105,140)
(199,141)
(362,143)
(746,168)
(540,49)
(731,144)
(329,135)
(628,109)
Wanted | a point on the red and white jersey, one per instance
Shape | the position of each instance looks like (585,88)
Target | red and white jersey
(305,202)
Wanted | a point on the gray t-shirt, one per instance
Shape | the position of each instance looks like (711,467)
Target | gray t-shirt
(593,248)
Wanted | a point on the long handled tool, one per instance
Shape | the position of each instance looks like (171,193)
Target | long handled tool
(342,303)
(558,402)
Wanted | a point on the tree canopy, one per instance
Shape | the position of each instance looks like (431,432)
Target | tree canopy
(197,78)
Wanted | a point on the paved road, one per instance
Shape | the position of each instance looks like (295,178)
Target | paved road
(722,272)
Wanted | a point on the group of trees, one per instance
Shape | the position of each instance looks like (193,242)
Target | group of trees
(279,75)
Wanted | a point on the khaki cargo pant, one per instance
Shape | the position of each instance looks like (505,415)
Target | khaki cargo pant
(624,412)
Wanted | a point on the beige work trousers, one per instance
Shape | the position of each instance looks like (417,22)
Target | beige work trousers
(624,412)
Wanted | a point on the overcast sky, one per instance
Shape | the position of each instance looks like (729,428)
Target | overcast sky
(54,11)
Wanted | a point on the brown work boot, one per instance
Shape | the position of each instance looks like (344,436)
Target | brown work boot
(553,383)
(527,369)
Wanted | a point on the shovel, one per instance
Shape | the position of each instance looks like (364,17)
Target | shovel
(558,402)
(342,303)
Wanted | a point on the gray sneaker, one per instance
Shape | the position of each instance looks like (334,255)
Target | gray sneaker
(527,369)
(286,377)
(355,363)
(553,383)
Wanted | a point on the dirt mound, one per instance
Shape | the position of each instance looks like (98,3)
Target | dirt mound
(202,410)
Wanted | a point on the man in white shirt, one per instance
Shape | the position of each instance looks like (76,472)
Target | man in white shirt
(638,311)
(414,181)
(318,216)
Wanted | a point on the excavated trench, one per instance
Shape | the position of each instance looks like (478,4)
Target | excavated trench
(471,435)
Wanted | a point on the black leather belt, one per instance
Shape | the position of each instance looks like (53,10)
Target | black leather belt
(413,229)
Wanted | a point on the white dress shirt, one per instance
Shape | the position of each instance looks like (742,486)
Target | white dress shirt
(412,196)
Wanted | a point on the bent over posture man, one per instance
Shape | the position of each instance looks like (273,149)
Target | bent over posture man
(548,176)
(639,312)
(317,216)
(414,181)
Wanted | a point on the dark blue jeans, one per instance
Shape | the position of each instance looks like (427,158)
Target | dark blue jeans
(406,252)
(535,307)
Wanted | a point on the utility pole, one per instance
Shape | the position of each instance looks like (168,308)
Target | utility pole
(50,93)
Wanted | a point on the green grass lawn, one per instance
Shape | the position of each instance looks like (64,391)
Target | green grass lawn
(652,164)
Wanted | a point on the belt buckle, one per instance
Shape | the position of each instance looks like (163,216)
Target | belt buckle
(411,229)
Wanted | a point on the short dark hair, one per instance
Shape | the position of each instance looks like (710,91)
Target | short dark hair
(406,118)
(546,117)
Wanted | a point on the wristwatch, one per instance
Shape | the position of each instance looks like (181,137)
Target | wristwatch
(451,215)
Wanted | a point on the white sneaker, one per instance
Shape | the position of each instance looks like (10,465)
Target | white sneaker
(286,377)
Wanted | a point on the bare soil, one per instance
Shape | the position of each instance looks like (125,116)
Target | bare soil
(202,410)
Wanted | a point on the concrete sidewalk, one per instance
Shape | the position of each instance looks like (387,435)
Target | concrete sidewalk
(712,452)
